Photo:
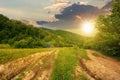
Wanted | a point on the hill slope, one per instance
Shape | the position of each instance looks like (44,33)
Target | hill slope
(20,35)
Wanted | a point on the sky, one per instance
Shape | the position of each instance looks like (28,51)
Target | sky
(50,13)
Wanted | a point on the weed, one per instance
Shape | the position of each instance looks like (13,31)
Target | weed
(95,54)
(65,64)
(82,53)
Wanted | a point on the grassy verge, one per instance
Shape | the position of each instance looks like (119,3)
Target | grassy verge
(82,53)
(7,55)
(64,65)
(64,68)
(4,46)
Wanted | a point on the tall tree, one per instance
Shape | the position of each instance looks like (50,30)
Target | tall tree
(108,37)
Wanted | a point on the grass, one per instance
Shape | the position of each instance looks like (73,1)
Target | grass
(7,55)
(82,53)
(95,54)
(4,46)
(64,67)
(65,64)
(18,79)
(83,77)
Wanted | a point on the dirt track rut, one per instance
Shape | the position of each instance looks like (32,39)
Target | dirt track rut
(39,66)
(28,67)
(101,67)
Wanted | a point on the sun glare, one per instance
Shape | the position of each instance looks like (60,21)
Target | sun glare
(88,28)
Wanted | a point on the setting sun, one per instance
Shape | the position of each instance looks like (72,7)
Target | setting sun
(88,28)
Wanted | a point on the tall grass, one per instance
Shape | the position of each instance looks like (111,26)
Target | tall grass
(64,65)
(12,54)
(4,46)
(82,53)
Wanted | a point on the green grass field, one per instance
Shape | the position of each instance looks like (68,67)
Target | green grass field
(7,55)
(65,64)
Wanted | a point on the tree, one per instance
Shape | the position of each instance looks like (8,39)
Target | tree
(108,37)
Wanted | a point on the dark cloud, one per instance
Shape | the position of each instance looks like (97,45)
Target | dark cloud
(107,8)
(75,10)
(71,16)
(108,5)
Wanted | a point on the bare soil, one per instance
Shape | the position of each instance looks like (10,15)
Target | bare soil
(40,70)
(13,68)
(101,67)
(39,66)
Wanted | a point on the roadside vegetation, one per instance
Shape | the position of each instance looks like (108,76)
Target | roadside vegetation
(82,53)
(65,64)
(4,46)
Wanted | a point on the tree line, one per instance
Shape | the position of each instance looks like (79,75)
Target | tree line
(20,35)
(107,39)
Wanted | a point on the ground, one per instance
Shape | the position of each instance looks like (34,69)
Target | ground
(62,64)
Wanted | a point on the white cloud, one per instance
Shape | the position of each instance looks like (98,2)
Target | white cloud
(52,18)
(61,1)
(57,5)
(84,3)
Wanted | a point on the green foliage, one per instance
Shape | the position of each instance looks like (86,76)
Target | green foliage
(108,38)
(116,8)
(67,39)
(20,35)
(82,53)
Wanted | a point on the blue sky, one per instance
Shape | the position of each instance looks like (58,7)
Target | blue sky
(38,9)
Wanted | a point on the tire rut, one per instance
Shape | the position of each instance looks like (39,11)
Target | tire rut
(100,67)
(47,70)
(40,70)
(87,70)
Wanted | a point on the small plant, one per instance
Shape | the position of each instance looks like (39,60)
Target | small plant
(95,54)
(83,77)
(18,79)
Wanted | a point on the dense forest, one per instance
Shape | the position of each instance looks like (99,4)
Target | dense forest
(20,35)
(107,40)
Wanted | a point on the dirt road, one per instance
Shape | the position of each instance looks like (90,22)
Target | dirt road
(39,66)
(101,67)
